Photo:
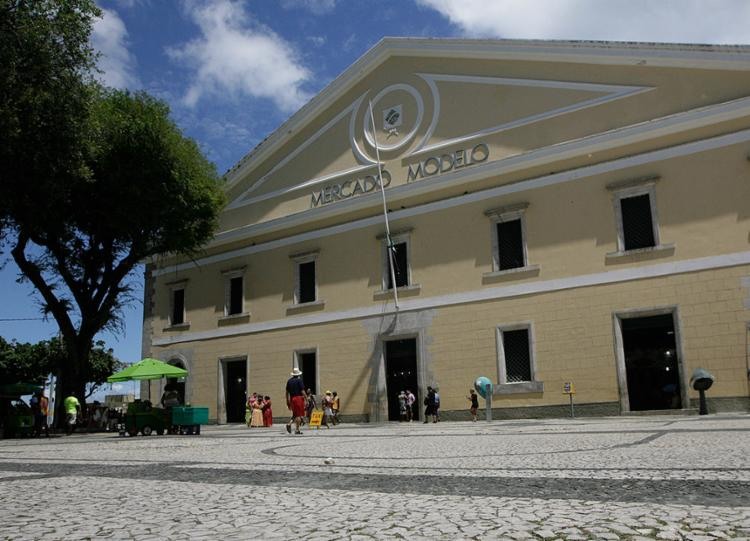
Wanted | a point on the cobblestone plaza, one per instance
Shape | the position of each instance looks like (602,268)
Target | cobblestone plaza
(659,477)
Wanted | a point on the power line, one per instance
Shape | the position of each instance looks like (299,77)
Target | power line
(23,318)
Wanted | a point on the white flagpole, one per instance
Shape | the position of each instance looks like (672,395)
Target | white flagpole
(385,209)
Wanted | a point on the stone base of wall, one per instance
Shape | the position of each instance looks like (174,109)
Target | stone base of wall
(723,404)
(603,409)
(599,409)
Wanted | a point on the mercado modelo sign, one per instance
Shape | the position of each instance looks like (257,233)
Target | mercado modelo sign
(429,167)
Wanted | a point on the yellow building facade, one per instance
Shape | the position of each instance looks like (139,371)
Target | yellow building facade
(559,212)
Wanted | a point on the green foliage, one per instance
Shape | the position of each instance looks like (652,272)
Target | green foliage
(45,62)
(92,181)
(33,363)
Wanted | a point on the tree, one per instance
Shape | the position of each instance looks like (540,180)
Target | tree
(22,362)
(120,185)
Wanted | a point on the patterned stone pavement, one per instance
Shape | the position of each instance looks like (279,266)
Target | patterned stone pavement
(633,478)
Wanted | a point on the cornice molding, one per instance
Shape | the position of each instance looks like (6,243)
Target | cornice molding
(462,176)
(477,295)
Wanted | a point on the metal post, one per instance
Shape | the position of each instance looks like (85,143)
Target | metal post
(572,413)
(488,401)
(703,407)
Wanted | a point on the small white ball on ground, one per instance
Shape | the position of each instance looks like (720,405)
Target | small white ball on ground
(328,460)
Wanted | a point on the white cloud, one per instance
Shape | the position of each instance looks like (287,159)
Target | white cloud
(318,41)
(118,65)
(238,57)
(685,21)
(317,7)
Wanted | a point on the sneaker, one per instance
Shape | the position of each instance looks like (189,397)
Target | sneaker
(298,432)
(288,429)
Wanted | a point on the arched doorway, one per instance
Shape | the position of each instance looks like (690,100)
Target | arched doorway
(177,384)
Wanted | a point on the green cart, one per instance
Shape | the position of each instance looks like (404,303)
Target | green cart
(188,420)
(143,418)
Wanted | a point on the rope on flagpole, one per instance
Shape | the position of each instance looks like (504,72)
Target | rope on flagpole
(389,242)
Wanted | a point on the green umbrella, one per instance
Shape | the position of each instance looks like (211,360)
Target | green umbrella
(148,369)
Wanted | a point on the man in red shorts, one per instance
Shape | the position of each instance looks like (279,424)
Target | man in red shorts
(295,400)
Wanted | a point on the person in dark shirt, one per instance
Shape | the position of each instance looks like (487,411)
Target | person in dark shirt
(474,404)
(295,400)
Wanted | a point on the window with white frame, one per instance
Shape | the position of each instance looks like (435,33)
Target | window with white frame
(515,354)
(306,284)
(508,237)
(635,214)
(177,303)
(234,292)
(396,254)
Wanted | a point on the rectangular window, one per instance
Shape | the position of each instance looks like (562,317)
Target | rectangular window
(635,215)
(515,354)
(510,245)
(234,291)
(307,362)
(178,307)
(306,286)
(400,265)
(236,295)
(637,222)
(509,238)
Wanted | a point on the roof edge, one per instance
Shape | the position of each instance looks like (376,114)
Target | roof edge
(702,56)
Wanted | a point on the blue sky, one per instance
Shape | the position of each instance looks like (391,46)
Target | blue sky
(233,71)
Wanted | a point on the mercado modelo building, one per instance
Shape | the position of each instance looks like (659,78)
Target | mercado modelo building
(558,213)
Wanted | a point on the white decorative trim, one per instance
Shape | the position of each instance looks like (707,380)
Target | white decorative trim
(508,213)
(710,57)
(635,190)
(592,144)
(478,295)
(622,380)
(230,275)
(502,369)
(518,272)
(435,112)
(659,248)
(351,109)
(517,187)
(300,259)
(369,129)
(306,184)
(614,92)
(397,237)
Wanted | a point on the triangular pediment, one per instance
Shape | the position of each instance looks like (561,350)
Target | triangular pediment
(414,112)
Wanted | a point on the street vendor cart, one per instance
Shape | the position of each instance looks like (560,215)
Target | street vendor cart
(142,417)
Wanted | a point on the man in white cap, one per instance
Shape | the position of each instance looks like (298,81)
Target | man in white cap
(295,400)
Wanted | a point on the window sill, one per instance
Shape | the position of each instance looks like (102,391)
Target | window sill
(305,307)
(244,317)
(510,274)
(403,291)
(660,250)
(523,387)
(177,327)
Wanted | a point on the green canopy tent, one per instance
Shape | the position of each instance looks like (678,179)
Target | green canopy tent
(147,369)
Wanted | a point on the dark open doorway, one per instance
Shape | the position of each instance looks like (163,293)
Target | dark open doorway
(236,390)
(651,364)
(400,374)
(307,362)
(177,384)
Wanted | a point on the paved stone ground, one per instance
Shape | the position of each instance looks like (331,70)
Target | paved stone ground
(613,478)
